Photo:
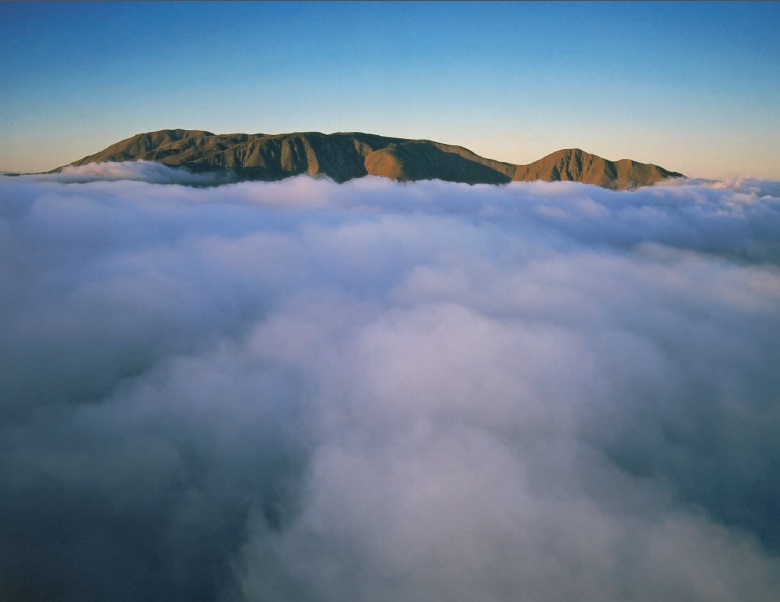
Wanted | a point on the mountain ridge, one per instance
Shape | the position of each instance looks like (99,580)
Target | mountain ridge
(343,156)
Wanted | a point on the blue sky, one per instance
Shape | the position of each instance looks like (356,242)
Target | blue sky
(690,86)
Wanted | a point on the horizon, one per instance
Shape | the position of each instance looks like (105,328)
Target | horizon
(675,85)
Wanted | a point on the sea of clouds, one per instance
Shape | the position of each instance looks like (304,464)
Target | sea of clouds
(140,171)
(378,392)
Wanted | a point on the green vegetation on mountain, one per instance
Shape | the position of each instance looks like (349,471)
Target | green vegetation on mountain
(345,156)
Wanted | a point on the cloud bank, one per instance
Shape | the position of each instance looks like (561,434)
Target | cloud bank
(141,171)
(301,391)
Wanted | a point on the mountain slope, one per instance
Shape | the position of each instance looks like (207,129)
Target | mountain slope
(344,156)
(578,166)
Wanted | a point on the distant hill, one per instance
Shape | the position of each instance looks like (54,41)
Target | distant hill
(345,156)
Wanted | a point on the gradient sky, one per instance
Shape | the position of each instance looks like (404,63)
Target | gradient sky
(694,87)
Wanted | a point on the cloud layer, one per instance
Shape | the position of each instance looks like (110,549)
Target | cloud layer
(140,171)
(301,391)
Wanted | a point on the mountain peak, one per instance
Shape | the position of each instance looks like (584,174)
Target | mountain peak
(347,155)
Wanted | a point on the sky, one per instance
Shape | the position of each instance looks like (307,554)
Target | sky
(304,391)
(692,87)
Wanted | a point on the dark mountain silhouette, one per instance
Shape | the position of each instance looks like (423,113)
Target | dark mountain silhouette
(345,156)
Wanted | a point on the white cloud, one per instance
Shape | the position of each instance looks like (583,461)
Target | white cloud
(139,171)
(378,391)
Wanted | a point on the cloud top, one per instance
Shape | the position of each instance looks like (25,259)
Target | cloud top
(380,391)
(140,171)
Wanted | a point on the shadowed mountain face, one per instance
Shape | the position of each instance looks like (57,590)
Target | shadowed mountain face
(345,156)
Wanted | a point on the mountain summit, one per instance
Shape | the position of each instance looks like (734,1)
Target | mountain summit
(345,156)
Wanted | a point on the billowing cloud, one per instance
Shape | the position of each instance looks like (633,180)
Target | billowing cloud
(140,171)
(381,391)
